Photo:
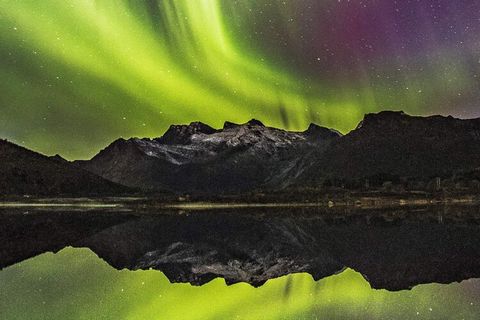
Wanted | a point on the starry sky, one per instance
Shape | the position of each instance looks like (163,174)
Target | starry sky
(76,75)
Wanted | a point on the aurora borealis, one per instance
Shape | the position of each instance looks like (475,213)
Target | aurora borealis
(75,75)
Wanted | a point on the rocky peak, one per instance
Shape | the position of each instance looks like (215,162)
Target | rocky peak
(58,158)
(381,118)
(252,123)
(255,122)
(230,125)
(181,134)
(393,122)
(119,147)
(317,132)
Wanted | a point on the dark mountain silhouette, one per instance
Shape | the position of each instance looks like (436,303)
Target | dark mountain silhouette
(198,158)
(251,156)
(396,144)
(240,158)
(24,172)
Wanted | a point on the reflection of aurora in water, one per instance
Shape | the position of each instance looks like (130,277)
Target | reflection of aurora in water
(75,284)
(78,74)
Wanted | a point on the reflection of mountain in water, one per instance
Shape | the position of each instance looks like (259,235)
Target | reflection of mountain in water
(393,249)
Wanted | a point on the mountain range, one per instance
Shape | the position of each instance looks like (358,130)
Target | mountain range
(238,158)
(24,172)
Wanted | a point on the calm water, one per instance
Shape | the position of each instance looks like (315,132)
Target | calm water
(275,251)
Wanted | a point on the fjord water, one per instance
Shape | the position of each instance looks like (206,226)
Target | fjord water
(121,265)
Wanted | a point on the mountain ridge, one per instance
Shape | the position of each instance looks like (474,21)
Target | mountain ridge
(404,145)
(197,158)
(23,171)
(385,147)
(236,158)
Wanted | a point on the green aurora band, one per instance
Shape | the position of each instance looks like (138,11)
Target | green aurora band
(76,75)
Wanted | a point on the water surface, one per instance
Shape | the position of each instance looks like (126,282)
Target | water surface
(308,263)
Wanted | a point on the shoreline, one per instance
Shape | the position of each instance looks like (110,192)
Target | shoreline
(325,202)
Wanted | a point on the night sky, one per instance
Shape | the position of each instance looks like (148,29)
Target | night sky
(76,75)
